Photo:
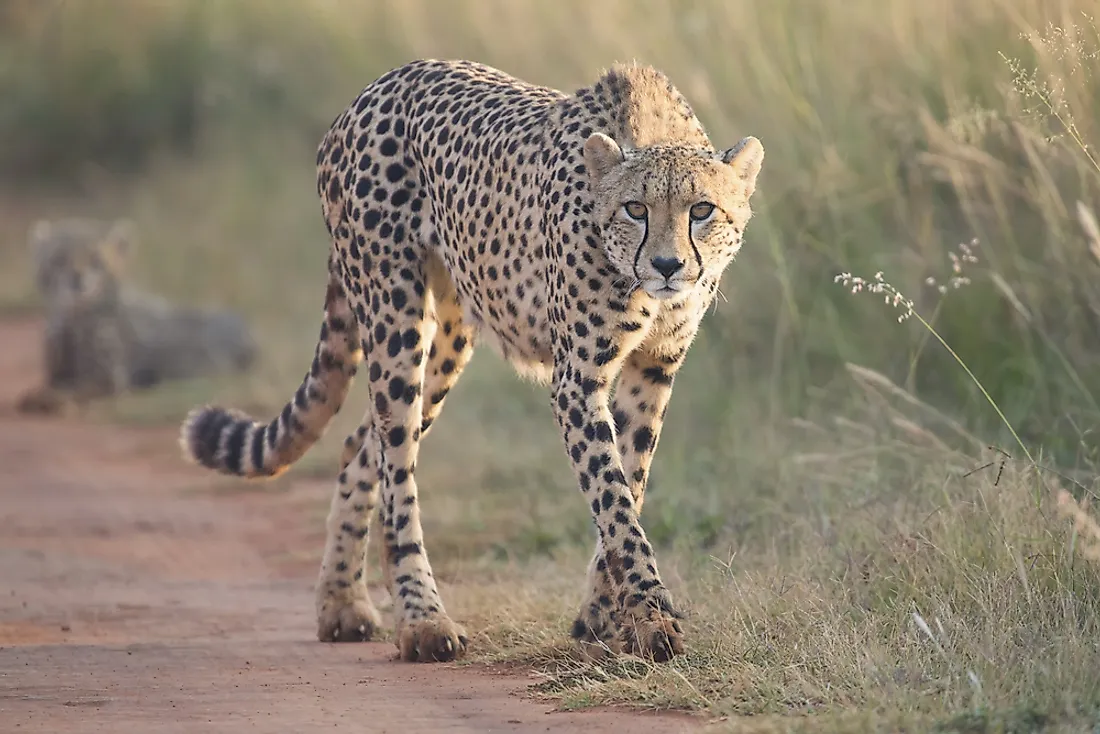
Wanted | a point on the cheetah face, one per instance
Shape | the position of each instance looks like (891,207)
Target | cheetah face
(671,216)
(78,262)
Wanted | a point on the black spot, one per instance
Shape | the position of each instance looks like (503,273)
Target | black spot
(397,389)
(397,436)
(395,172)
(576,418)
(605,357)
(603,431)
(399,298)
(393,346)
(657,375)
(398,552)
(621,421)
(594,465)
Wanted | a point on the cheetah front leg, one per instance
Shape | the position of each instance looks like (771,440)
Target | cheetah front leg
(77,375)
(641,397)
(626,567)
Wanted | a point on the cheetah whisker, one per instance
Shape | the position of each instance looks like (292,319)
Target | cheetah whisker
(723,297)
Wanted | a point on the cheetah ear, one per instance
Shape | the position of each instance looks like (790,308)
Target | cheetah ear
(746,158)
(38,242)
(122,235)
(601,154)
(39,234)
(119,241)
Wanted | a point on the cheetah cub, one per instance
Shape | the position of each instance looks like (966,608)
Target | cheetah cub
(581,235)
(102,337)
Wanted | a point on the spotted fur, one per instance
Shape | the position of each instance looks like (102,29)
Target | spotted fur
(583,236)
(102,336)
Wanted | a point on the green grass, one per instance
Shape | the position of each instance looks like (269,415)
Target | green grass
(811,493)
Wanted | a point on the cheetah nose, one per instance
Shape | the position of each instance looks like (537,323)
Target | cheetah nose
(667,266)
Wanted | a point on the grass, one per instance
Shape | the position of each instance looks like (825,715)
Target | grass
(904,590)
(815,498)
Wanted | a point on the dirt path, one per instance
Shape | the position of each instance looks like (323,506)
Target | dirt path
(129,602)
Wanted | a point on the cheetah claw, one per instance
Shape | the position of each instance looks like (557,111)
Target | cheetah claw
(436,640)
(357,621)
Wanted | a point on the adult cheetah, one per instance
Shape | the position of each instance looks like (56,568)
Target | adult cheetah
(582,235)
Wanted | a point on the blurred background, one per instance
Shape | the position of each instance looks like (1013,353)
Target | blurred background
(810,430)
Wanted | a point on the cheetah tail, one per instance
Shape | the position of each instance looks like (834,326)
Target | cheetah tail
(231,442)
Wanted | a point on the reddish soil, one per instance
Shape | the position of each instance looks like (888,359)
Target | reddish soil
(131,600)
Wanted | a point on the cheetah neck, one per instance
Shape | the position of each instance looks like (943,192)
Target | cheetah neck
(646,109)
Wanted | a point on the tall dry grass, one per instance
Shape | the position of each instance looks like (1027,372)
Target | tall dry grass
(894,130)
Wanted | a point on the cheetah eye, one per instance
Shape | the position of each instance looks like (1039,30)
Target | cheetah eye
(701,212)
(635,210)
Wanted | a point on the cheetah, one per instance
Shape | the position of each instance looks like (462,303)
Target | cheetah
(103,337)
(583,236)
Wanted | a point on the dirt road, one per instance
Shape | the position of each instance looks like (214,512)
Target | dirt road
(130,602)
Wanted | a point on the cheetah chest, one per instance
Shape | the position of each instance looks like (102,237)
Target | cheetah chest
(502,295)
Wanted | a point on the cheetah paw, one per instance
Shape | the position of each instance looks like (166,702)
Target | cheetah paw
(597,639)
(354,621)
(435,640)
(658,637)
(651,627)
(41,401)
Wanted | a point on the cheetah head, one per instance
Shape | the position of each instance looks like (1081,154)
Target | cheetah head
(671,216)
(78,262)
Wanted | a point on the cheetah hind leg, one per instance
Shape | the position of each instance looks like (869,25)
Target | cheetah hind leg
(401,335)
(46,400)
(42,400)
(451,348)
(345,612)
